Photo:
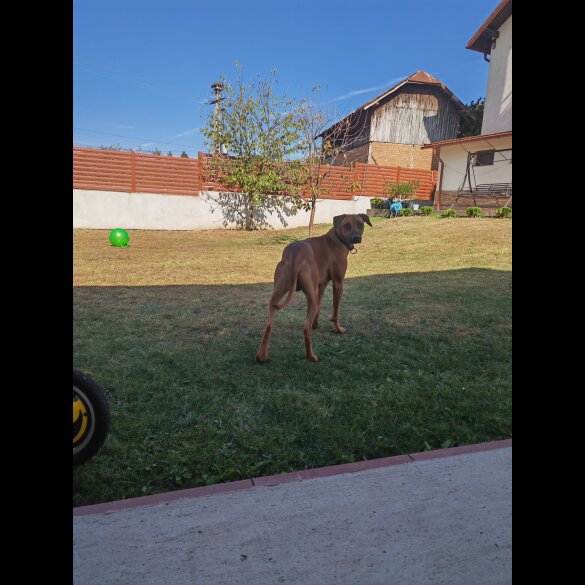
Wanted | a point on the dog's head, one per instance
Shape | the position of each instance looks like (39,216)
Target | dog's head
(350,227)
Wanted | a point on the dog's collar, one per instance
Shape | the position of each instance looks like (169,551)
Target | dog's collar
(342,242)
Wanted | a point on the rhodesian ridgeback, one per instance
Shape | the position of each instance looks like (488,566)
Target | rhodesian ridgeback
(309,265)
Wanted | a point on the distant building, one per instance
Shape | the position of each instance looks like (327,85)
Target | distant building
(391,128)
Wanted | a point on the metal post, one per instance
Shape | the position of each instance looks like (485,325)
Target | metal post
(217,88)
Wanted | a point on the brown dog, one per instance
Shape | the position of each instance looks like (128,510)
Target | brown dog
(309,265)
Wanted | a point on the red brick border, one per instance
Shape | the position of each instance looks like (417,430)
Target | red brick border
(461,450)
(353,467)
(207,490)
(273,480)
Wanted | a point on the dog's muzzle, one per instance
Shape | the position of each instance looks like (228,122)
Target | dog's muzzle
(355,239)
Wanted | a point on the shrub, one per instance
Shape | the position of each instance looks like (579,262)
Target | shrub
(406,211)
(426,210)
(503,211)
(473,212)
(376,203)
(449,213)
(401,190)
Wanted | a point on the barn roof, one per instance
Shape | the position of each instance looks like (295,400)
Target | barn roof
(418,78)
(482,40)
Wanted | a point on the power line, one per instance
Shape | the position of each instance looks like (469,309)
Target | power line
(130,137)
(116,74)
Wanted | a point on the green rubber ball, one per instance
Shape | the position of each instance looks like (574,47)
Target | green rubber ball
(119,238)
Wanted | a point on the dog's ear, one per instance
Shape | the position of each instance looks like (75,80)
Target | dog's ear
(366,219)
(337,220)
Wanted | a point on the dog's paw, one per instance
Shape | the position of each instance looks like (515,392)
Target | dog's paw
(312,358)
(261,359)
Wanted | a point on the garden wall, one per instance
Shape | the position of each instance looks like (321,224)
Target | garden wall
(109,209)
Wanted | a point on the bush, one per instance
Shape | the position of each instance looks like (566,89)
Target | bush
(503,211)
(426,210)
(401,190)
(406,211)
(473,212)
(377,203)
(449,213)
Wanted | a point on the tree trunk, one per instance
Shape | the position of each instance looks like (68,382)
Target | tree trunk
(249,213)
(312,218)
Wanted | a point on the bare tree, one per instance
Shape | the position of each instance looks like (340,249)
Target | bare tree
(323,146)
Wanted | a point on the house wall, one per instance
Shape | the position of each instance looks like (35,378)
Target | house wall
(455,159)
(110,209)
(404,155)
(415,115)
(497,115)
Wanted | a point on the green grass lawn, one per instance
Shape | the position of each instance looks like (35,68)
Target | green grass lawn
(170,326)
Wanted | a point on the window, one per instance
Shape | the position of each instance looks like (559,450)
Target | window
(484,158)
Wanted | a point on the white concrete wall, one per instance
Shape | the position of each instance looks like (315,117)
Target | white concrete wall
(455,158)
(497,115)
(109,209)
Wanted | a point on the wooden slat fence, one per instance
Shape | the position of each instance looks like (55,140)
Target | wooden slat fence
(107,170)
(343,182)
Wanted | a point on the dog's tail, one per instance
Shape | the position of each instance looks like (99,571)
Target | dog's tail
(293,286)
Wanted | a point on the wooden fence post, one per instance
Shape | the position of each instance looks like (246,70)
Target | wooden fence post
(201,159)
(132,172)
(362,180)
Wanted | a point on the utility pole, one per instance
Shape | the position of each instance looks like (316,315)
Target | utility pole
(217,88)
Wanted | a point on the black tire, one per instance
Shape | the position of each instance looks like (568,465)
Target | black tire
(92,423)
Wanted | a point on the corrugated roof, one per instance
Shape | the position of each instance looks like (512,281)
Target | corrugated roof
(482,40)
(476,138)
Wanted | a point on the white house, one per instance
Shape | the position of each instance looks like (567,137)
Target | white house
(477,170)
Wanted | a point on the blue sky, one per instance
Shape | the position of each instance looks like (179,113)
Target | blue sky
(142,69)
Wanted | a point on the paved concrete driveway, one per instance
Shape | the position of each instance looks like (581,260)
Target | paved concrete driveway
(444,521)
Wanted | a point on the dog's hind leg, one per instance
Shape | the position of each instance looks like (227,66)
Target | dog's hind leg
(262,355)
(312,312)
(322,288)
(281,287)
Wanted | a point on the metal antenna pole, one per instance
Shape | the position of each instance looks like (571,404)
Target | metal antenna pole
(217,88)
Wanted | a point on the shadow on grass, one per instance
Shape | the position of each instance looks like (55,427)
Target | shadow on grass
(426,363)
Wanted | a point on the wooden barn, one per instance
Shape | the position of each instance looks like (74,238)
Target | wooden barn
(391,128)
